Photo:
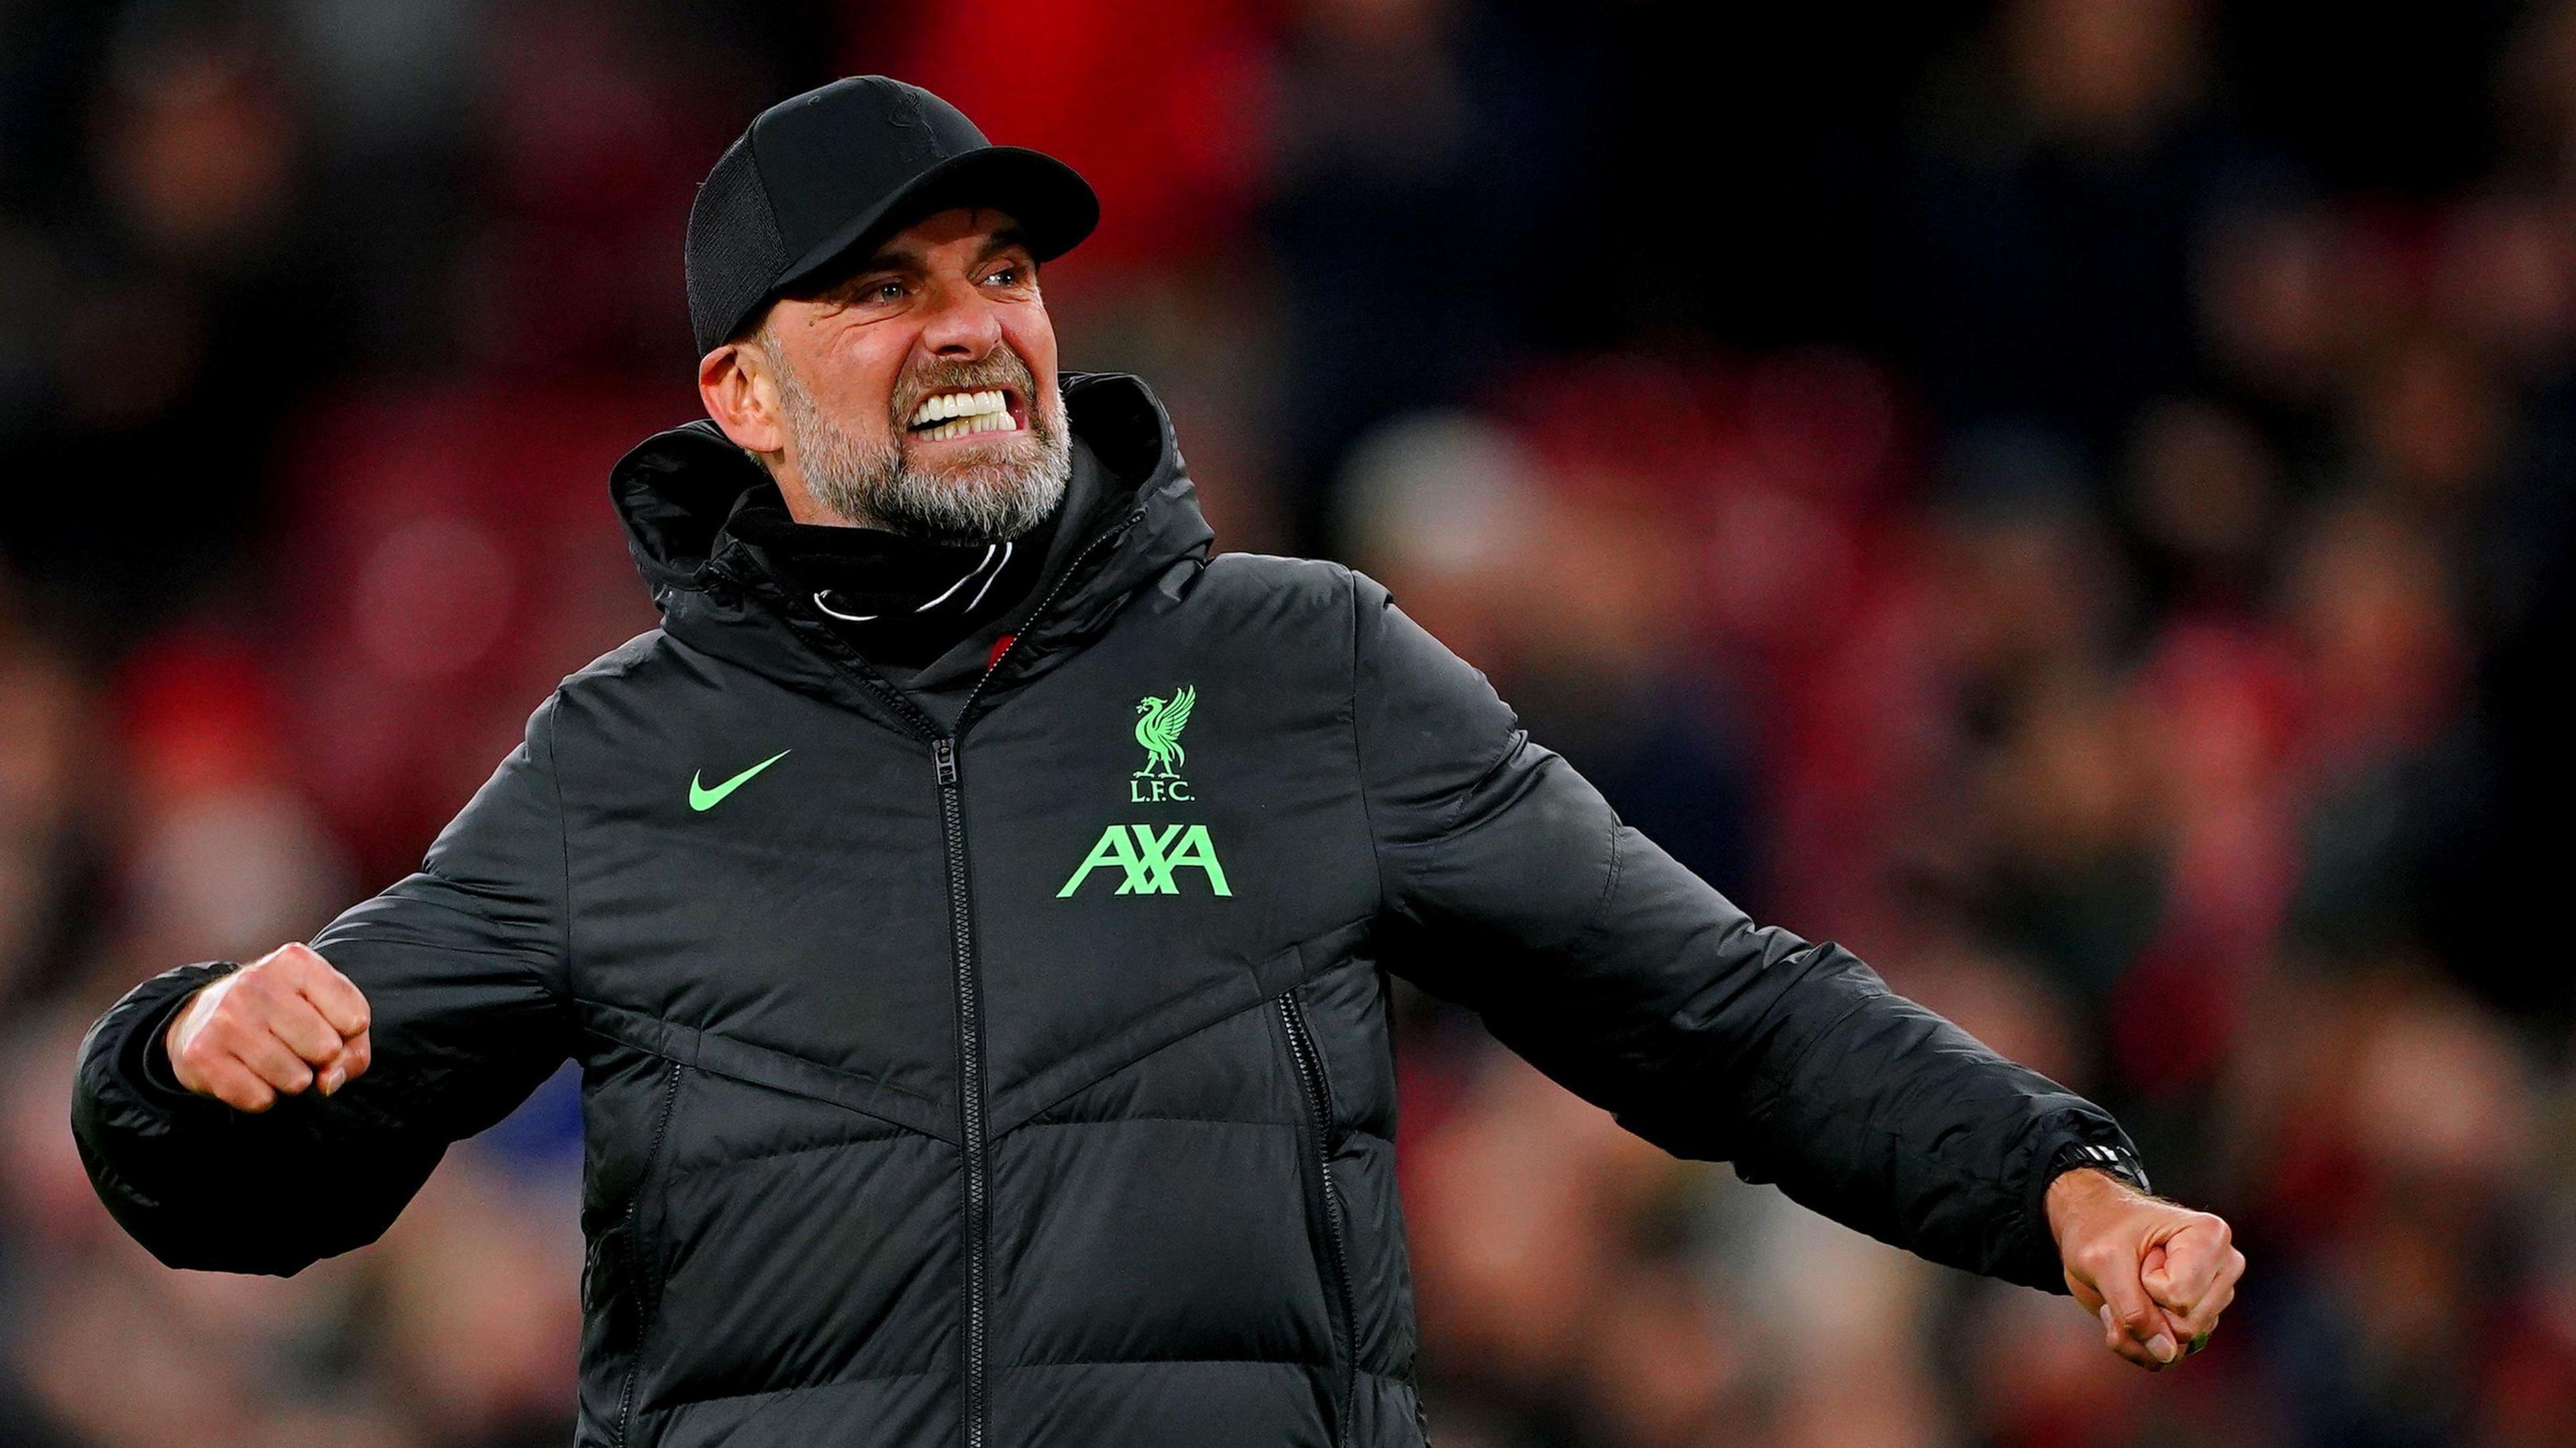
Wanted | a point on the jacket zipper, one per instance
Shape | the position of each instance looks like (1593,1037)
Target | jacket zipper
(634,1252)
(1310,1081)
(961,932)
(970,1072)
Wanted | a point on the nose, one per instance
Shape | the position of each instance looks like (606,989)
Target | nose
(962,326)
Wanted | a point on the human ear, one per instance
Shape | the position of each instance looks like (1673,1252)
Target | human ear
(739,387)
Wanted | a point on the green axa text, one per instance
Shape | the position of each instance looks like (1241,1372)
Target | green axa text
(1149,856)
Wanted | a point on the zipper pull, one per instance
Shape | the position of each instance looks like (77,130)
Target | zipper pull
(943,753)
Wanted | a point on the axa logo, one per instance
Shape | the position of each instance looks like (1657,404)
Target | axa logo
(1159,722)
(1149,859)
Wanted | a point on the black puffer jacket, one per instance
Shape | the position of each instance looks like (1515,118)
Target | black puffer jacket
(1025,1081)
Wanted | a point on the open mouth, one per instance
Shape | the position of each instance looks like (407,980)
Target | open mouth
(961,413)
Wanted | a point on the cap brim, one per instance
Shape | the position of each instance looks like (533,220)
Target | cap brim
(1054,207)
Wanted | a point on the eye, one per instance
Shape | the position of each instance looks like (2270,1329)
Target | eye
(1009,274)
(889,290)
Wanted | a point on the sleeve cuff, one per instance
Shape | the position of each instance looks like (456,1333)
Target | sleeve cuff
(2118,1161)
(2071,1141)
(142,1059)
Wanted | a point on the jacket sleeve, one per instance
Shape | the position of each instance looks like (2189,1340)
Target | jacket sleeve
(463,968)
(1514,890)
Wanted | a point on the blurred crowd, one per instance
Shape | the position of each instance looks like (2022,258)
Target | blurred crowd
(2070,498)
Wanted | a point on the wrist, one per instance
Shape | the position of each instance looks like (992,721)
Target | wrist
(2082,1173)
(179,1019)
(143,1060)
(161,1054)
(2078,1192)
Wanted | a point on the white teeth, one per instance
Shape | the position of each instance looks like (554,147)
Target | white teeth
(958,414)
(971,423)
(960,404)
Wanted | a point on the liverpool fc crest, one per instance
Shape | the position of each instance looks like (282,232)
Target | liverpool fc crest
(1159,722)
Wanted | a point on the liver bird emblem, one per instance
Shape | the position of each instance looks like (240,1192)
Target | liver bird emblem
(1159,723)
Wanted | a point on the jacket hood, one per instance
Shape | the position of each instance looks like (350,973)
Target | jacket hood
(675,490)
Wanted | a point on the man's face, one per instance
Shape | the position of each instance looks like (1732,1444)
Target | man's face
(917,392)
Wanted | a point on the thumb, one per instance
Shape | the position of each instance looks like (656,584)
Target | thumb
(2133,1325)
(355,1054)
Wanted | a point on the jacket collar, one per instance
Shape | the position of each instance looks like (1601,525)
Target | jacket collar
(675,490)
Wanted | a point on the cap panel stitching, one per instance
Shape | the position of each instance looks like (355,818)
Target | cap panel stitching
(768,208)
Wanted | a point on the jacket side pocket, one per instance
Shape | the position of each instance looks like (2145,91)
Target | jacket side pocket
(1324,1202)
(643,1293)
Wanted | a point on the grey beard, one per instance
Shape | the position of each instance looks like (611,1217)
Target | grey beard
(976,500)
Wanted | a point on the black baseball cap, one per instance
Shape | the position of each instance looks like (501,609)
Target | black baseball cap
(819,176)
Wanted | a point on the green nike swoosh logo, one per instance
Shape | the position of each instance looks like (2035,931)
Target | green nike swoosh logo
(702,798)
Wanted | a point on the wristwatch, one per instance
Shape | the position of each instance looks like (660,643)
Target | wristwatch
(2118,1161)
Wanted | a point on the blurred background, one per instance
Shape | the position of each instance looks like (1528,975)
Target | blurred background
(2070,498)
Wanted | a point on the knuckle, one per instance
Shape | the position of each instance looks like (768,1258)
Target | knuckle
(221,1035)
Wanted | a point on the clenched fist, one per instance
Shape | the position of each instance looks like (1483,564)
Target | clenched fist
(2157,1274)
(276,1026)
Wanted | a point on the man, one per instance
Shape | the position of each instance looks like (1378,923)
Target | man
(972,911)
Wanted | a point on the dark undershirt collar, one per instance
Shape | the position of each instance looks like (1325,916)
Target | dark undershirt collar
(897,600)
